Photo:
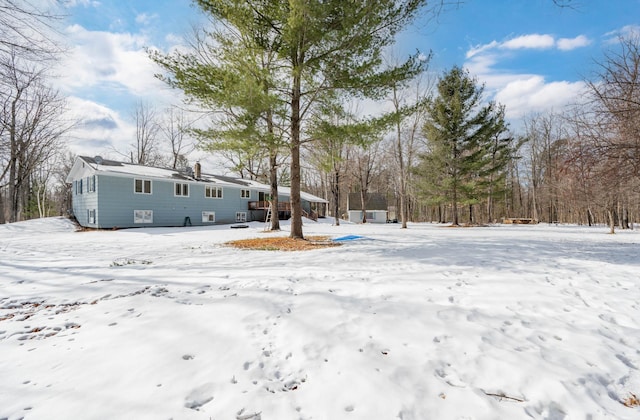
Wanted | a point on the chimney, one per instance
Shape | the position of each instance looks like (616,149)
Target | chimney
(196,169)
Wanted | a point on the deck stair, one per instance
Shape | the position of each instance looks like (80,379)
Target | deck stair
(267,218)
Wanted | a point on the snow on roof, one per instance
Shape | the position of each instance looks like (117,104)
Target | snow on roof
(303,195)
(124,168)
(115,167)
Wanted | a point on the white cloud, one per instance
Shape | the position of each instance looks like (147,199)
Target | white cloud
(482,48)
(100,130)
(566,44)
(145,18)
(535,41)
(628,31)
(85,3)
(522,93)
(107,59)
(108,68)
(481,64)
(531,41)
(174,39)
(532,94)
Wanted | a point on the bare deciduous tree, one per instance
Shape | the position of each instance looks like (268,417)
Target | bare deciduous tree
(26,31)
(409,109)
(174,128)
(616,98)
(366,168)
(147,128)
(32,127)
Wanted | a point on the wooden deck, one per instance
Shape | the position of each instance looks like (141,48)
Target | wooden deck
(264,205)
(284,209)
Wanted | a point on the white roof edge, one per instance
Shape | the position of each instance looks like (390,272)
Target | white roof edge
(131,169)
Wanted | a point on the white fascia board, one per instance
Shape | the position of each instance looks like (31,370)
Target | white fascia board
(80,169)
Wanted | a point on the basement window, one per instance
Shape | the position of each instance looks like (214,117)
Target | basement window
(208,217)
(143,216)
(241,216)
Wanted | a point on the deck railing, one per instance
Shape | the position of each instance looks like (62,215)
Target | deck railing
(263,205)
(282,206)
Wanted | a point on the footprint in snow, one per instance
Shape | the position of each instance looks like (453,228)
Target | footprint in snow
(199,396)
(252,416)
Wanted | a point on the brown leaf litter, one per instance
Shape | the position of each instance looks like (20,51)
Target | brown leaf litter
(284,243)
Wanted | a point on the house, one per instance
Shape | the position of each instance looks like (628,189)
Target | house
(376,210)
(110,194)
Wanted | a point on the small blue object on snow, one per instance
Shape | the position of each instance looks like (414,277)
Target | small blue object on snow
(348,238)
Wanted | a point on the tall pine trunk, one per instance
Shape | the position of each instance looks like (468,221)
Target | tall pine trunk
(273,180)
(296,205)
(335,189)
(363,200)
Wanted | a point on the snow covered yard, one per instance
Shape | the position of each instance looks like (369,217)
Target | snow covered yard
(503,322)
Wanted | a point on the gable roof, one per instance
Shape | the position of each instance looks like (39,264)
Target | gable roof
(375,201)
(112,167)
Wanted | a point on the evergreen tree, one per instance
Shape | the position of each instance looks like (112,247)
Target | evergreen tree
(233,74)
(465,150)
(317,46)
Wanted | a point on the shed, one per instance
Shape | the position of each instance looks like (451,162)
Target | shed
(376,211)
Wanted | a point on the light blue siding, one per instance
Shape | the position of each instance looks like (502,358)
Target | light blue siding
(118,201)
(109,194)
(85,200)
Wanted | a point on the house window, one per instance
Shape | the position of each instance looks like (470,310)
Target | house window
(212,192)
(208,216)
(181,190)
(370,215)
(142,186)
(91,216)
(241,216)
(80,186)
(143,216)
(91,183)
(245,193)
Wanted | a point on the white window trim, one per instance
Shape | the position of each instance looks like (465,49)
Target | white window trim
(91,183)
(241,216)
(143,182)
(244,193)
(182,184)
(91,216)
(217,190)
(142,216)
(205,216)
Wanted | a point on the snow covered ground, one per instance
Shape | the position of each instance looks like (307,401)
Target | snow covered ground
(502,322)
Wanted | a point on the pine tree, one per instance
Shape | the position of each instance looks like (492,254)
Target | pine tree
(318,46)
(465,150)
(233,74)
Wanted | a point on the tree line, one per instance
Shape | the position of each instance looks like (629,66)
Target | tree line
(35,126)
(281,88)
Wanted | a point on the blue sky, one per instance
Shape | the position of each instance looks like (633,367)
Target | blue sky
(531,55)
